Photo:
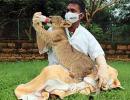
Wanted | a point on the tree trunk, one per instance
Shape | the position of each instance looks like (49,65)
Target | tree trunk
(88,22)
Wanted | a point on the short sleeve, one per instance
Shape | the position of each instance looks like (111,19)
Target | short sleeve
(94,48)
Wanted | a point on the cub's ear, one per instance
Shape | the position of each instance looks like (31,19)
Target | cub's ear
(65,24)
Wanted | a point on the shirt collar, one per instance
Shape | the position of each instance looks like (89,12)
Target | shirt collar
(68,33)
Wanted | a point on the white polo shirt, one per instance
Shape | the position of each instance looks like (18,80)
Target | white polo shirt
(83,41)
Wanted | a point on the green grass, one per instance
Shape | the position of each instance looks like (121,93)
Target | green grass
(15,73)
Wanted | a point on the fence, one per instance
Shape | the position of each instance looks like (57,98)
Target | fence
(16,29)
(21,29)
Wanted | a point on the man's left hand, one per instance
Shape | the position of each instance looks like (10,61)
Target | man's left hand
(103,75)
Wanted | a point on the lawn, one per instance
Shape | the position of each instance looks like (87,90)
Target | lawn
(15,73)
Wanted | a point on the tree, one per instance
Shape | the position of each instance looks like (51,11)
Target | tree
(95,6)
(21,11)
(121,20)
(122,11)
(56,7)
(11,11)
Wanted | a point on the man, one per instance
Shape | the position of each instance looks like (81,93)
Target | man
(81,39)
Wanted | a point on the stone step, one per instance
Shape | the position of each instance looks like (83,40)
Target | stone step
(29,45)
(9,50)
(18,45)
(20,58)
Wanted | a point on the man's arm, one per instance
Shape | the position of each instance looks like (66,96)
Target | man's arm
(101,61)
(102,70)
(97,54)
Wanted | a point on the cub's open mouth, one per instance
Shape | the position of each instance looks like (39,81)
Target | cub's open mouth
(67,23)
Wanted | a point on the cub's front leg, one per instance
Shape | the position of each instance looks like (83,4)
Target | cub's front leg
(43,37)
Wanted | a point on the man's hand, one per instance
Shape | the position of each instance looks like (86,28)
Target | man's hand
(103,76)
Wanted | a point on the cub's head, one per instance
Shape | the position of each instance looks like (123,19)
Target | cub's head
(57,21)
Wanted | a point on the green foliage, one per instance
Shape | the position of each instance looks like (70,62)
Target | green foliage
(123,33)
(101,24)
(103,18)
(56,7)
(15,73)
(96,30)
(123,10)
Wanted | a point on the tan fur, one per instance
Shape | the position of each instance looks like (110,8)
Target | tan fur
(49,72)
(78,63)
(59,73)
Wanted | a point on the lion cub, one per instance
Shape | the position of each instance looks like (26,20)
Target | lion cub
(79,64)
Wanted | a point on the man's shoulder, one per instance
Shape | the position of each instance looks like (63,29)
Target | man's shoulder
(84,31)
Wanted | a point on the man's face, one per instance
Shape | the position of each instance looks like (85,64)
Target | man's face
(74,8)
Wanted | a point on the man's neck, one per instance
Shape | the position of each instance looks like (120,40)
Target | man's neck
(73,27)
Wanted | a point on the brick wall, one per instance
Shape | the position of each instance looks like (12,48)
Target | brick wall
(117,51)
(13,50)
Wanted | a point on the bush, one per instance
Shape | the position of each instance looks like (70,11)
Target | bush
(97,31)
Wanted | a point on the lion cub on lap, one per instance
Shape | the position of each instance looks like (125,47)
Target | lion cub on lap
(79,64)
